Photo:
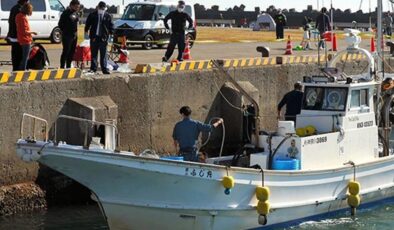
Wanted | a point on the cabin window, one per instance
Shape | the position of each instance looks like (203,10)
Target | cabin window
(325,98)
(359,98)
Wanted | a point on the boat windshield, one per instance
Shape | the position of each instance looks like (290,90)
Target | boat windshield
(140,12)
(325,98)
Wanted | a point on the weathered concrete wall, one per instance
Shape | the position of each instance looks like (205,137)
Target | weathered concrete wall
(147,106)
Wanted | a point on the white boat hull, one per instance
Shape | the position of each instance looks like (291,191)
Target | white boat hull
(140,193)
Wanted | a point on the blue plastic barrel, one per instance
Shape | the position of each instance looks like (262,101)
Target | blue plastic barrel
(286,164)
(172,158)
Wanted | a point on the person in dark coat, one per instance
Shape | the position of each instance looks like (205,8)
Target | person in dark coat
(99,26)
(68,24)
(323,25)
(178,23)
(16,50)
(293,102)
(281,21)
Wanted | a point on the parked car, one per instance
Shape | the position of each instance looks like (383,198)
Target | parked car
(142,24)
(46,14)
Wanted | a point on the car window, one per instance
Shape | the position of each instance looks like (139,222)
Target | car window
(188,10)
(6,5)
(163,10)
(38,5)
(142,12)
(56,5)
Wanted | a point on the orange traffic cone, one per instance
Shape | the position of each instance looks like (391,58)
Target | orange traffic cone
(123,62)
(289,47)
(186,53)
(334,43)
(373,48)
(123,56)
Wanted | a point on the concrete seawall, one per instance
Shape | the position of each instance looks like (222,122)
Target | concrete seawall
(147,107)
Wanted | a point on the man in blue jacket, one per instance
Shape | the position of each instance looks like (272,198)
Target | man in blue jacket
(99,26)
(186,134)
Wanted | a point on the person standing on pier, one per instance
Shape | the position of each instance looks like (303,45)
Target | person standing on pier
(186,134)
(293,102)
(12,37)
(323,25)
(281,21)
(68,24)
(99,25)
(25,35)
(388,22)
(178,24)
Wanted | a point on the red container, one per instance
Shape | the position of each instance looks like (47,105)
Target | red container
(327,36)
(82,54)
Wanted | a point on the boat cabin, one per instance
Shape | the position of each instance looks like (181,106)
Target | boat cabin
(336,125)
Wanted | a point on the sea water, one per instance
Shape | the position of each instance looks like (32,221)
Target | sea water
(89,217)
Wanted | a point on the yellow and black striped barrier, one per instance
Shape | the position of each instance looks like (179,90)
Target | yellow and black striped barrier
(39,75)
(237,63)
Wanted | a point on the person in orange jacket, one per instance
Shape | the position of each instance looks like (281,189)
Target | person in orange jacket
(25,36)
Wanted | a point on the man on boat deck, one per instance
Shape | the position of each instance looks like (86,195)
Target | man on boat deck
(293,102)
(186,134)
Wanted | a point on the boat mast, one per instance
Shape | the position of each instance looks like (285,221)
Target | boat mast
(332,24)
(380,38)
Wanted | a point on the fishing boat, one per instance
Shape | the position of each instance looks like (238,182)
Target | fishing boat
(336,157)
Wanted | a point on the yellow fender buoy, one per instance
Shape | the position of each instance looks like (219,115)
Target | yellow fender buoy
(262,193)
(354,188)
(310,130)
(354,200)
(228,182)
(263,207)
(301,132)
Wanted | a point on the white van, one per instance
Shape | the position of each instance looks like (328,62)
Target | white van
(46,15)
(142,23)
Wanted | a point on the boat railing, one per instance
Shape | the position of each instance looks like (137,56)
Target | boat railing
(35,119)
(88,124)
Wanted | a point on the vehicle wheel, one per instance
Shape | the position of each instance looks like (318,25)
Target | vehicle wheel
(191,39)
(56,36)
(148,44)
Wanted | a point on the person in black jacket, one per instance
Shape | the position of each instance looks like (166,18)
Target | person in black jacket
(323,25)
(293,102)
(178,23)
(99,25)
(281,21)
(16,49)
(68,24)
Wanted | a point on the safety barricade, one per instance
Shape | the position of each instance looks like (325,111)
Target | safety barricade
(39,75)
(237,63)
